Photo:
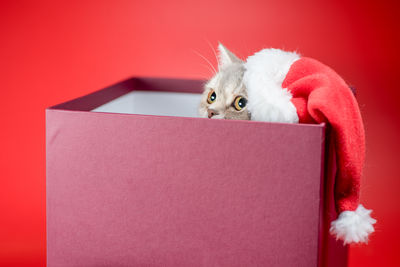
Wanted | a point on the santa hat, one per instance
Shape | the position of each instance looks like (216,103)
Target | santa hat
(284,87)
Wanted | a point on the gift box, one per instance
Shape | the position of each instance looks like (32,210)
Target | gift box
(134,178)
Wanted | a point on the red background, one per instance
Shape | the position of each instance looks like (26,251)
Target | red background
(52,52)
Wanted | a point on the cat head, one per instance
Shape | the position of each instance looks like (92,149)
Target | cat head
(225,96)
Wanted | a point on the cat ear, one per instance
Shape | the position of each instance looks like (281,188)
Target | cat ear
(226,57)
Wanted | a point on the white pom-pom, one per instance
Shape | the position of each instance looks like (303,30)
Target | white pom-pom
(353,226)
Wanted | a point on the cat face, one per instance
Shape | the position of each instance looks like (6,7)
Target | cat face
(225,96)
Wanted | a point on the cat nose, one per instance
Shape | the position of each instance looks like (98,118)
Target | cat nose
(212,112)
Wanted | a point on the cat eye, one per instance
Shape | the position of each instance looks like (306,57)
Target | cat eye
(239,103)
(211,97)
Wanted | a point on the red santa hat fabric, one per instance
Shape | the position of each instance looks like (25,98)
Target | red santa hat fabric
(284,87)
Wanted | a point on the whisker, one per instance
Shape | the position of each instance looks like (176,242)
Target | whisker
(208,67)
(215,54)
(203,57)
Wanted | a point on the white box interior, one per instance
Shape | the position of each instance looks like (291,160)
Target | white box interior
(154,103)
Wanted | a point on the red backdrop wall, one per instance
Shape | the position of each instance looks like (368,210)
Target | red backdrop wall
(51,52)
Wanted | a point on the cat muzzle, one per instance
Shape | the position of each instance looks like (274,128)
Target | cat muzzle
(212,112)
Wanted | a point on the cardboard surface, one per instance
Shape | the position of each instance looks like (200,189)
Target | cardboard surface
(141,190)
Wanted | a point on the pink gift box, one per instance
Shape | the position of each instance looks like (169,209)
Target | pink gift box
(135,179)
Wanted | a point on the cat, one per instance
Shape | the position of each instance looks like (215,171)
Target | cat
(225,96)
